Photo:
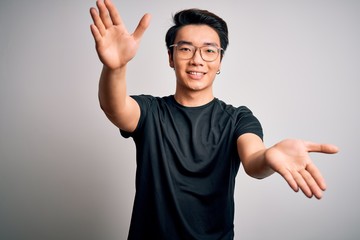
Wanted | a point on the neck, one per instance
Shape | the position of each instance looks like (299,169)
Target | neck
(193,99)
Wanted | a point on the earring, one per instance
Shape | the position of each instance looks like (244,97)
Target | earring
(218,72)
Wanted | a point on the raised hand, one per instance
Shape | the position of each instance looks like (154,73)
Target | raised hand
(114,44)
(290,158)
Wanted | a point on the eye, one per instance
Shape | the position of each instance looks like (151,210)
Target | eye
(210,50)
(183,48)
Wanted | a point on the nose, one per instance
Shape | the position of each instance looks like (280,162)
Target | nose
(197,58)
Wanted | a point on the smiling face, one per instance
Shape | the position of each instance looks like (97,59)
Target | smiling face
(195,75)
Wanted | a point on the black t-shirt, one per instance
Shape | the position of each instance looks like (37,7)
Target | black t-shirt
(187,162)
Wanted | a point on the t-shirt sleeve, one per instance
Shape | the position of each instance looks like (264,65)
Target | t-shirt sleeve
(247,123)
(144,102)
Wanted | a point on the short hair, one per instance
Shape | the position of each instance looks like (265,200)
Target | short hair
(198,17)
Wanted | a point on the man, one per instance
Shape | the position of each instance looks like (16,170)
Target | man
(189,145)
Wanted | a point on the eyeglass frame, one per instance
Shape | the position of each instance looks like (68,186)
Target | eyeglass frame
(219,50)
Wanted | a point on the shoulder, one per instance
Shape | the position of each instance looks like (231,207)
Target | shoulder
(147,102)
(150,99)
(235,111)
(243,118)
(143,99)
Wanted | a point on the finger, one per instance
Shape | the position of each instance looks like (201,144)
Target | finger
(322,148)
(97,21)
(315,173)
(104,14)
(142,26)
(95,32)
(302,184)
(289,179)
(311,183)
(114,14)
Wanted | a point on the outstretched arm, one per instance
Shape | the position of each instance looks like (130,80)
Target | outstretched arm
(116,47)
(290,158)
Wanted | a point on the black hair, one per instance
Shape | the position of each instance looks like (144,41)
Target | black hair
(198,17)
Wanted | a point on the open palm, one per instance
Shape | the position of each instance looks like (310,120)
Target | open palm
(290,158)
(114,44)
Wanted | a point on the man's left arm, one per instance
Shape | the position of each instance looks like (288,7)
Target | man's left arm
(290,158)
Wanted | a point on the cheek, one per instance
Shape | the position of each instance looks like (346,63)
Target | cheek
(215,67)
(180,65)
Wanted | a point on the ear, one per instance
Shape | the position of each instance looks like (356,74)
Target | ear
(171,60)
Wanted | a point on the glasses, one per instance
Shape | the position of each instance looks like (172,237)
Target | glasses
(187,51)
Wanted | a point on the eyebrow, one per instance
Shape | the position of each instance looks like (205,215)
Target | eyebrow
(204,44)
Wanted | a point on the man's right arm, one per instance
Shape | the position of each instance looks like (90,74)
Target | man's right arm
(116,47)
(119,107)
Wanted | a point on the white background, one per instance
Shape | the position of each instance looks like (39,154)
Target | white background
(65,171)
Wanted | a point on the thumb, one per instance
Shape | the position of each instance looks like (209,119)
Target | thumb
(321,148)
(142,26)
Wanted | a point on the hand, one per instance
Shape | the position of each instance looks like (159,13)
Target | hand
(290,158)
(114,45)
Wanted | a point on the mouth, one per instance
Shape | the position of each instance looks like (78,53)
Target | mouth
(194,73)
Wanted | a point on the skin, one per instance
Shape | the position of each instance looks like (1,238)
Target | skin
(195,77)
(116,47)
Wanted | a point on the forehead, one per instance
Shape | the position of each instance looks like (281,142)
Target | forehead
(198,35)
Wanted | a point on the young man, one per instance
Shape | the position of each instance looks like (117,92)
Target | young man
(190,144)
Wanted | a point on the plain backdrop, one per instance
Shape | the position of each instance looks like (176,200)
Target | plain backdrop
(65,171)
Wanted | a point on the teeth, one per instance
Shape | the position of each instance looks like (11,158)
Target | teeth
(195,73)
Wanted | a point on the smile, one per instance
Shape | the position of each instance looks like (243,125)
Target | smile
(196,73)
